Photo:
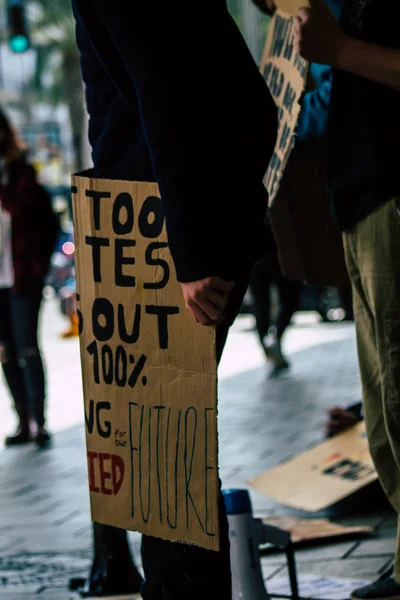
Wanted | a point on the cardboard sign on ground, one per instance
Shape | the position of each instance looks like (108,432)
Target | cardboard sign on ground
(322,476)
(290,7)
(305,531)
(149,371)
(285,74)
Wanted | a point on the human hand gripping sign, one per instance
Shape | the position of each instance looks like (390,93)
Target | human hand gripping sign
(318,36)
(207,299)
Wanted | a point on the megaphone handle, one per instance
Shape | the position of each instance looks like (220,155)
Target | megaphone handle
(291,562)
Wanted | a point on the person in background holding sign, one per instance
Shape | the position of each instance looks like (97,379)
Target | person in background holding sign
(28,231)
(311,128)
(175,97)
(364,129)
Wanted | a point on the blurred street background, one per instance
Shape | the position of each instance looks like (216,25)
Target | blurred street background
(45,528)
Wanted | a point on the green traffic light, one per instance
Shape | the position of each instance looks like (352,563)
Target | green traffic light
(19,43)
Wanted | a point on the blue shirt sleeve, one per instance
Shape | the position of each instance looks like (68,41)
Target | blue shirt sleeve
(313,118)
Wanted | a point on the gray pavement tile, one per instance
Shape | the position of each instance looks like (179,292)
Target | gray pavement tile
(363,568)
(35,572)
(45,494)
(322,553)
(270,569)
(383,545)
(49,539)
(29,593)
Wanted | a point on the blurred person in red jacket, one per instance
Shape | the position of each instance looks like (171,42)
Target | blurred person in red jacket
(27,238)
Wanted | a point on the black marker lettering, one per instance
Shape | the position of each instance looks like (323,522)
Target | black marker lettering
(103,311)
(151,227)
(121,279)
(157,262)
(97,244)
(96,197)
(162,313)
(123,202)
(188,460)
(133,336)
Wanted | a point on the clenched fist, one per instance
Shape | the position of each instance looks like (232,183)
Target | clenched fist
(207,299)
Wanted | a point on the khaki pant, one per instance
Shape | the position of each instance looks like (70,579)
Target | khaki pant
(373,260)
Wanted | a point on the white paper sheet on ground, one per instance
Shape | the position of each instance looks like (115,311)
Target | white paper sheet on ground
(314,586)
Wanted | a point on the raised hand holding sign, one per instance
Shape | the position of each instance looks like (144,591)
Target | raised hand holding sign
(318,36)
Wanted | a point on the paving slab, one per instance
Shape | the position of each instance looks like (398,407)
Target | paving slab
(45,529)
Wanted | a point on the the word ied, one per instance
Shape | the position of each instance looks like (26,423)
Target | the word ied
(106,473)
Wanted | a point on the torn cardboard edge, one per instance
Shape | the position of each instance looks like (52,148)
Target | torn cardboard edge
(285,74)
(315,532)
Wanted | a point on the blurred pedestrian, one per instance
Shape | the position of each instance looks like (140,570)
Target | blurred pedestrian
(364,180)
(28,232)
(311,129)
(267,273)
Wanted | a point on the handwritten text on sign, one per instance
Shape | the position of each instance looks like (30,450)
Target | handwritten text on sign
(285,74)
(149,371)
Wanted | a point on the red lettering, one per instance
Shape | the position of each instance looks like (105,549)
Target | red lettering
(116,475)
(118,468)
(92,479)
(104,475)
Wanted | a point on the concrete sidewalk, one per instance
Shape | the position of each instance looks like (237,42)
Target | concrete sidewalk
(45,529)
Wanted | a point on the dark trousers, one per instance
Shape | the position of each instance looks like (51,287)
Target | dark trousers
(20,353)
(176,571)
(266,272)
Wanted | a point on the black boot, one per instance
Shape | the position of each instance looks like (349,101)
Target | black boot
(42,438)
(21,436)
(32,369)
(113,570)
(15,382)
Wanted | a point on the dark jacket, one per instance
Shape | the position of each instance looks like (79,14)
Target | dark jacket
(33,226)
(364,122)
(175,97)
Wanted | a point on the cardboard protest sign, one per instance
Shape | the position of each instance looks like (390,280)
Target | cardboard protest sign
(285,73)
(322,476)
(290,7)
(149,371)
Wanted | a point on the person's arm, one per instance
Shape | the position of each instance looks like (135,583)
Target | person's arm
(163,58)
(17,193)
(320,39)
(313,119)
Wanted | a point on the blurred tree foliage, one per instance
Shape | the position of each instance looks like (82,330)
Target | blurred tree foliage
(57,76)
(252,23)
